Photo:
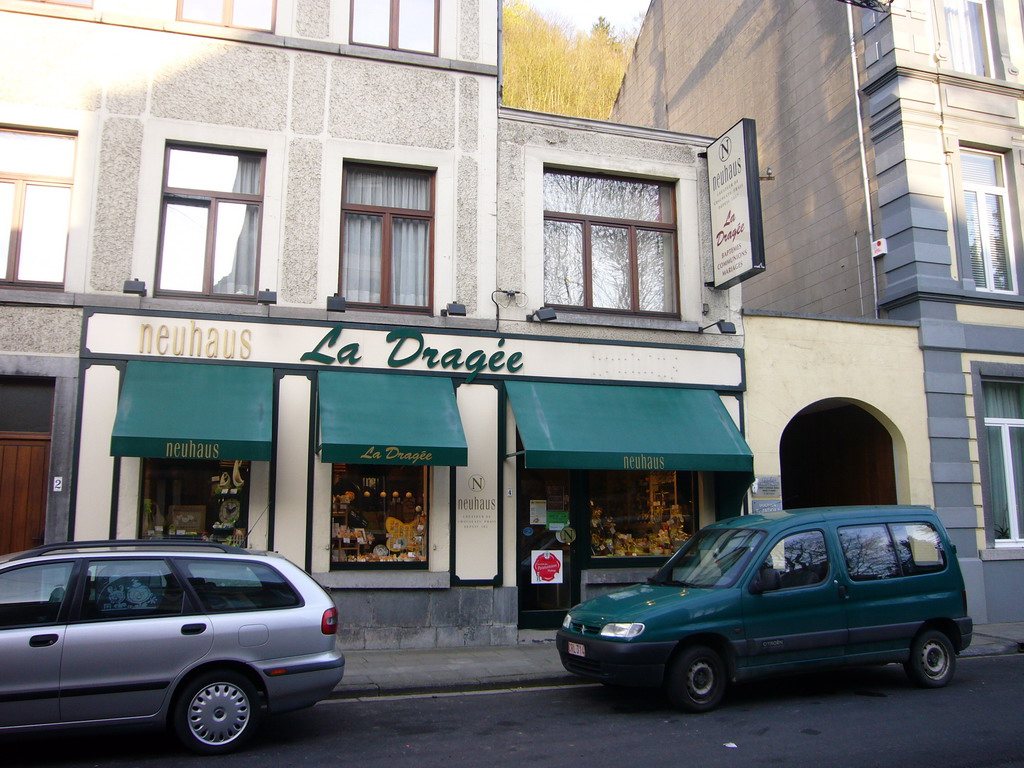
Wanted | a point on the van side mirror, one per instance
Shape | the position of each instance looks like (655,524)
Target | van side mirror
(767,580)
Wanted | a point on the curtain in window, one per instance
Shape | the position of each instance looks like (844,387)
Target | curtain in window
(362,254)
(362,258)
(410,249)
(237,238)
(968,48)
(1005,400)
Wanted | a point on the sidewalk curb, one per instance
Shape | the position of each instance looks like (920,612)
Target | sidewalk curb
(374,690)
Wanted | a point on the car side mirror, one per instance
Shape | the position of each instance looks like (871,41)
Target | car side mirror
(767,580)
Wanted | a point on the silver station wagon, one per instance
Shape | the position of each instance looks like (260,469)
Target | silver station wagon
(196,636)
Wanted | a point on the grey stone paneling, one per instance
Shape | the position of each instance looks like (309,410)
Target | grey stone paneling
(399,608)
(444,608)
(469,114)
(469,30)
(1002,589)
(952,383)
(476,604)
(195,89)
(466,250)
(952,472)
(313,19)
(301,254)
(116,204)
(309,94)
(425,618)
(506,605)
(372,101)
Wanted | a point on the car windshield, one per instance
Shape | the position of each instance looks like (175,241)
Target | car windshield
(715,557)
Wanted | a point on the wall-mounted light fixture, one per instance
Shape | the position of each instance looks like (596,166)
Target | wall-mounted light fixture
(769,174)
(542,315)
(336,303)
(266,297)
(724,326)
(136,286)
(454,309)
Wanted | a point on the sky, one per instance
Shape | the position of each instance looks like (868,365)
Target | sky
(583,13)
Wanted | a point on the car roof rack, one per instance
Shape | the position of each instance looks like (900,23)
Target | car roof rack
(169,542)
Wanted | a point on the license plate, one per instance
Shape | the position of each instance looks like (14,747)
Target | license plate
(577,649)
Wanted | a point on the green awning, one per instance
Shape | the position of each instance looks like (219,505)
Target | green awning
(390,418)
(590,426)
(189,411)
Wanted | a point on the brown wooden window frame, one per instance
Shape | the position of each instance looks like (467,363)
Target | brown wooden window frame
(388,214)
(21,182)
(632,226)
(210,200)
(227,9)
(393,28)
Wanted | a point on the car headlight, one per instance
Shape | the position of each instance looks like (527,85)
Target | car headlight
(567,622)
(622,630)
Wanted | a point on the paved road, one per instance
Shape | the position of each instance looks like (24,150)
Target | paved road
(859,719)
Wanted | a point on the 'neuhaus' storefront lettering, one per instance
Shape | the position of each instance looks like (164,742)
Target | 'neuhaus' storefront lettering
(194,341)
(409,347)
(643,461)
(189,449)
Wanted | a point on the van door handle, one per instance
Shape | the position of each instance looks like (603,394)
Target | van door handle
(42,641)
(193,629)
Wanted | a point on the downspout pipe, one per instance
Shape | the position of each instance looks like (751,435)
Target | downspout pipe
(863,153)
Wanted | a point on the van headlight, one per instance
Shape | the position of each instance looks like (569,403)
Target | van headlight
(567,622)
(622,630)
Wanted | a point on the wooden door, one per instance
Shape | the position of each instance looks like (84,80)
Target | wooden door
(24,468)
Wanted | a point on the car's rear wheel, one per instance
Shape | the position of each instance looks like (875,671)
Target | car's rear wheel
(216,712)
(932,661)
(696,679)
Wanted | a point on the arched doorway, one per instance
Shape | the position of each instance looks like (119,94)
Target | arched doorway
(835,453)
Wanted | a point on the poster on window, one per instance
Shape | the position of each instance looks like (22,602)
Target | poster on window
(546,566)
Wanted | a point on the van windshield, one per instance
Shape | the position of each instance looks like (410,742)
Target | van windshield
(715,557)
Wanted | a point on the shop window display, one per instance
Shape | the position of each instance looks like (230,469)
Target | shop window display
(195,499)
(636,514)
(378,514)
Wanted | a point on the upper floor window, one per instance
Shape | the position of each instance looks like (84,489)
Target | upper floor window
(968,29)
(247,14)
(210,229)
(1004,425)
(987,205)
(609,243)
(404,25)
(387,240)
(35,203)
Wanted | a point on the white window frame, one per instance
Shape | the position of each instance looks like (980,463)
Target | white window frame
(1000,191)
(1016,538)
(962,41)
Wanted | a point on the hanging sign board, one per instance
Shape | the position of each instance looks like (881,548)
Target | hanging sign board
(737,245)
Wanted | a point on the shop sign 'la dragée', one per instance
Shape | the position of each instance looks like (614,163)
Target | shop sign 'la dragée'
(408,347)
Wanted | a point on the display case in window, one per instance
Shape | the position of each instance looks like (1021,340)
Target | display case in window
(640,514)
(194,498)
(378,514)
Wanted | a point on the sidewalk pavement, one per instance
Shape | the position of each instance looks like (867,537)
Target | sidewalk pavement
(533,662)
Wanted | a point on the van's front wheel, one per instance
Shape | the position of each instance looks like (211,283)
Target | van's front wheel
(696,679)
(932,660)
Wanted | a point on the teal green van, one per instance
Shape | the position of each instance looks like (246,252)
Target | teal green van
(781,593)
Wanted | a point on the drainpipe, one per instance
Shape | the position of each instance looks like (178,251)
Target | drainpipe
(863,155)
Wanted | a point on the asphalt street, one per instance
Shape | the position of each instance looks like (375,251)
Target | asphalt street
(856,718)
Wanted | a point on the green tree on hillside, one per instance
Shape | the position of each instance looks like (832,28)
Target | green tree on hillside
(549,67)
